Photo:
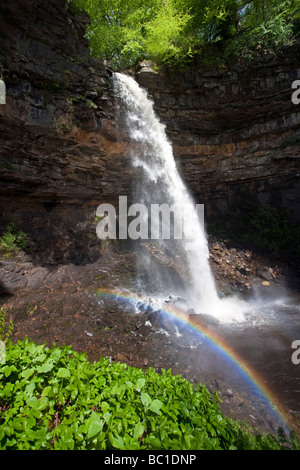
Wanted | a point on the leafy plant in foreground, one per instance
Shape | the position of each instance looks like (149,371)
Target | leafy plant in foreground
(6,328)
(56,399)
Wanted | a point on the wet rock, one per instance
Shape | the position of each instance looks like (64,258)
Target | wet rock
(251,166)
(244,271)
(265,274)
(203,320)
(139,324)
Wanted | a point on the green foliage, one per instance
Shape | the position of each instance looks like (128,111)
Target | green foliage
(13,240)
(270,228)
(268,35)
(6,328)
(266,227)
(173,31)
(56,399)
(117,28)
(166,36)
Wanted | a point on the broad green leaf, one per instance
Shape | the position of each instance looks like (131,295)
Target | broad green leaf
(138,430)
(18,424)
(8,370)
(211,429)
(82,429)
(116,441)
(154,442)
(156,406)
(32,402)
(95,428)
(140,384)
(56,354)
(121,390)
(45,367)
(42,403)
(105,406)
(107,417)
(29,388)
(63,373)
(101,382)
(189,440)
(146,399)
(47,391)
(40,358)
(27,373)
(29,423)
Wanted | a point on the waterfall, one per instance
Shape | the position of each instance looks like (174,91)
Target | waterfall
(172,265)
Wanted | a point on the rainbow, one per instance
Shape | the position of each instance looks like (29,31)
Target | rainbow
(218,343)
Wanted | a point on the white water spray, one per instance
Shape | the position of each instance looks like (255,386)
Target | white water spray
(159,182)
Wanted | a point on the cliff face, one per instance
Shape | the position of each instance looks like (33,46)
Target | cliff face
(235,133)
(59,156)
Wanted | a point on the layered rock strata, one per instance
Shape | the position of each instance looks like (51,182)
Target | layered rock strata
(235,133)
(60,156)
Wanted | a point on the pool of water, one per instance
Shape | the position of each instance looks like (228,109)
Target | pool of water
(249,345)
(265,341)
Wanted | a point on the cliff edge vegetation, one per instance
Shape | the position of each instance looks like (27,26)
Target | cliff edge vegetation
(172,32)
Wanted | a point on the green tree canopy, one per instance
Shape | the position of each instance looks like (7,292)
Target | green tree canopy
(172,31)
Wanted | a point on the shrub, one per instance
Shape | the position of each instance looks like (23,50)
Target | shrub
(266,228)
(56,399)
(13,240)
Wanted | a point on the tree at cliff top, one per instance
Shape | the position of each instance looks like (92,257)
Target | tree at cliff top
(173,31)
(266,26)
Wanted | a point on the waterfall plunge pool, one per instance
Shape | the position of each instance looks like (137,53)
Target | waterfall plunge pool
(247,342)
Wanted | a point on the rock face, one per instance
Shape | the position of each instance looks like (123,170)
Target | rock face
(235,133)
(60,157)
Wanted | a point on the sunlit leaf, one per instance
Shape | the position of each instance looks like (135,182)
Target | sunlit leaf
(63,373)
(155,406)
(95,428)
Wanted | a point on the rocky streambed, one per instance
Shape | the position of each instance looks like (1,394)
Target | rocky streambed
(68,304)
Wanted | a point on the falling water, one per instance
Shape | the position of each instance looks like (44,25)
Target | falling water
(157,181)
